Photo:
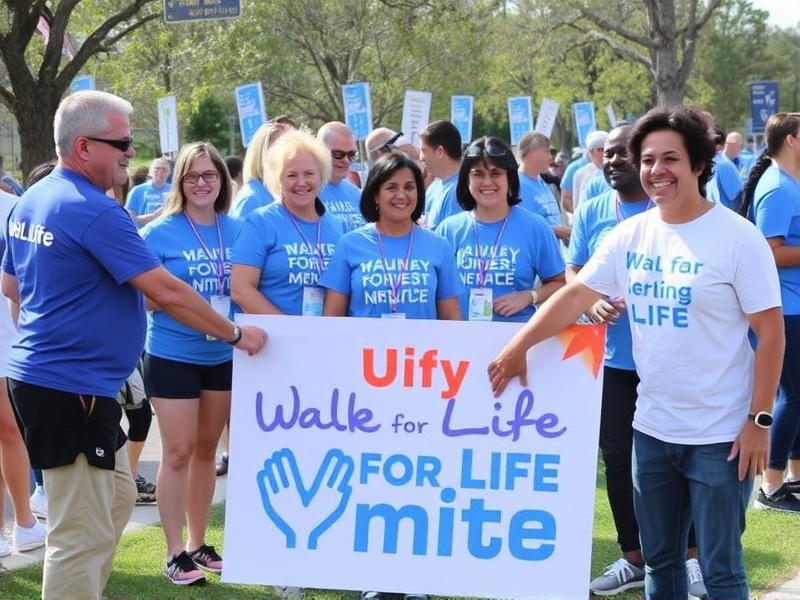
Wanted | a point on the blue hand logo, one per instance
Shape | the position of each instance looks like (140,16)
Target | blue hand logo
(303,512)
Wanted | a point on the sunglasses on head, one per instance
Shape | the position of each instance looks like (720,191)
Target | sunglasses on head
(121,145)
(392,141)
(340,154)
(490,149)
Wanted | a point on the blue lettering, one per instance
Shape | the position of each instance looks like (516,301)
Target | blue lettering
(356,419)
(391,527)
(544,528)
(475,516)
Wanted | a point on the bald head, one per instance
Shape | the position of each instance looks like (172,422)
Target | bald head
(733,145)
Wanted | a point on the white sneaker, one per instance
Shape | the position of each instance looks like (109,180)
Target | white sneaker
(29,538)
(5,547)
(694,577)
(38,504)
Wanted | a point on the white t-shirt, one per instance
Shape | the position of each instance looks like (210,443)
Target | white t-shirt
(688,289)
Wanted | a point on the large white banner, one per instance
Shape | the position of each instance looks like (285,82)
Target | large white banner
(416,114)
(168,124)
(370,454)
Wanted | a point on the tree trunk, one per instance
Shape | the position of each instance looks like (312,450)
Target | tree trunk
(35,116)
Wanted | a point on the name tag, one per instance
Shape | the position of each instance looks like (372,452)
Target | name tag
(393,315)
(480,304)
(313,298)
(222,306)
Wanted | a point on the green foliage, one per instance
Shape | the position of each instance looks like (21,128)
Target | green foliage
(209,122)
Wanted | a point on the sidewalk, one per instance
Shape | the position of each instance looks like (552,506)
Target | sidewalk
(144,516)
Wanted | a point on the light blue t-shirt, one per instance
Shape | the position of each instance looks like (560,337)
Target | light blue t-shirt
(175,244)
(73,251)
(593,220)
(594,187)
(253,195)
(569,172)
(13,184)
(146,198)
(526,249)
(726,183)
(776,211)
(343,200)
(358,270)
(537,197)
(289,261)
(440,200)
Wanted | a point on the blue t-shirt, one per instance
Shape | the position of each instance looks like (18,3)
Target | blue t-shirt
(13,184)
(253,195)
(569,172)
(358,270)
(73,250)
(343,200)
(594,187)
(269,241)
(726,183)
(440,200)
(776,212)
(175,244)
(593,220)
(538,198)
(526,249)
(145,198)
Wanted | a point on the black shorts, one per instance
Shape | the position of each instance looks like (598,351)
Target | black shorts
(165,378)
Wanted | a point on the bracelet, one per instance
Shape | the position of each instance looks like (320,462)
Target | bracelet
(237,335)
(534,298)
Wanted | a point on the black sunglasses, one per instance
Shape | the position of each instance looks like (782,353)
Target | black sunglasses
(340,154)
(490,149)
(392,141)
(121,145)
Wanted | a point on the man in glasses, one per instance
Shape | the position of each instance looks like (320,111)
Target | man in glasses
(340,197)
(73,271)
(440,150)
(144,201)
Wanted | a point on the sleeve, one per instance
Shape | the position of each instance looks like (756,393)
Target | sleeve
(253,242)
(773,214)
(134,202)
(338,272)
(449,285)
(755,276)
(114,242)
(578,253)
(729,181)
(600,272)
(547,253)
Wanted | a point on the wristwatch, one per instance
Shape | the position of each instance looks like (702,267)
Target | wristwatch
(762,419)
(237,335)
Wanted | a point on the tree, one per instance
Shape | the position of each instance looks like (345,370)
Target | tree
(37,79)
(665,43)
(209,123)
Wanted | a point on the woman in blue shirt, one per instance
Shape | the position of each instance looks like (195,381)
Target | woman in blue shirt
(500,248)
(187,374)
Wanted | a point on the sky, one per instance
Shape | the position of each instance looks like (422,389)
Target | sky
(783,13)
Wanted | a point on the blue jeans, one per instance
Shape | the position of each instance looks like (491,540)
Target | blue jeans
(675,484)
(784,437)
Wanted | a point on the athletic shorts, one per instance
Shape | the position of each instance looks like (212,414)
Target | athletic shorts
(165,378)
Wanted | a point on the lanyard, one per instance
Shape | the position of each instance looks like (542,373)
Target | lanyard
(395,288)
(220,257)
(318,258)
(483,266)
(619,212)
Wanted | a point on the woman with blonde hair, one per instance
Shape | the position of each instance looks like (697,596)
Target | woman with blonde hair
(187,374)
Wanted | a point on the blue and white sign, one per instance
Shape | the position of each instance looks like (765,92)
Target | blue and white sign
(168,124)
(461,111)
(585,120)
(763,103)
(416,114)
(357,109)
(394,468)
(546,120)
(520,117)
(252,113)
(82,83)
(182,11)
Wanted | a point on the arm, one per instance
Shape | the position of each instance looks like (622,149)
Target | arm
(244,291)
(448,309)
(785,256)
(142,220)
(563,232)
(336,304)
(10,289)
(565,306)
(183,304)
(752,443)
(512,303)
(566,200)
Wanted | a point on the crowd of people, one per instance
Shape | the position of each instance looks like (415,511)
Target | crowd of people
(460,230)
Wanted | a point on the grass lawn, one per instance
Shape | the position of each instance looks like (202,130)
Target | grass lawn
(772,554)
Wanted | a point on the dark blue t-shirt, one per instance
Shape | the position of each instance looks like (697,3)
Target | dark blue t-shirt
(73,250)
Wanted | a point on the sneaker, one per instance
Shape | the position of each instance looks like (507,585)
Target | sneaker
(143,499)
(793,487)
(5,547)
(289,591)
(372,595)
(781,500)
(29,538)
(618,577)
(144,487)
(182,570)
(38,504)
(694,577)
(207,558)
(222,466)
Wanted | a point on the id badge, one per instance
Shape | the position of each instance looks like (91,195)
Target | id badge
(222,306)
(393,315)
(480,304)
(313,297)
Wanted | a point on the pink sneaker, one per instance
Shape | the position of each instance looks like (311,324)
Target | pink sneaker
(182,570)
(207,558)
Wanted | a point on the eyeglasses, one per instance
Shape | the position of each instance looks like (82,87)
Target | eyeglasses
(392,141)
(207,176)
(340,154)
(121,145)
(490,149)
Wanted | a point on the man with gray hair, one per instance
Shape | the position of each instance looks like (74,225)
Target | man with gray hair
(144,201)
(73,271)
(341,198)
(595,142)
